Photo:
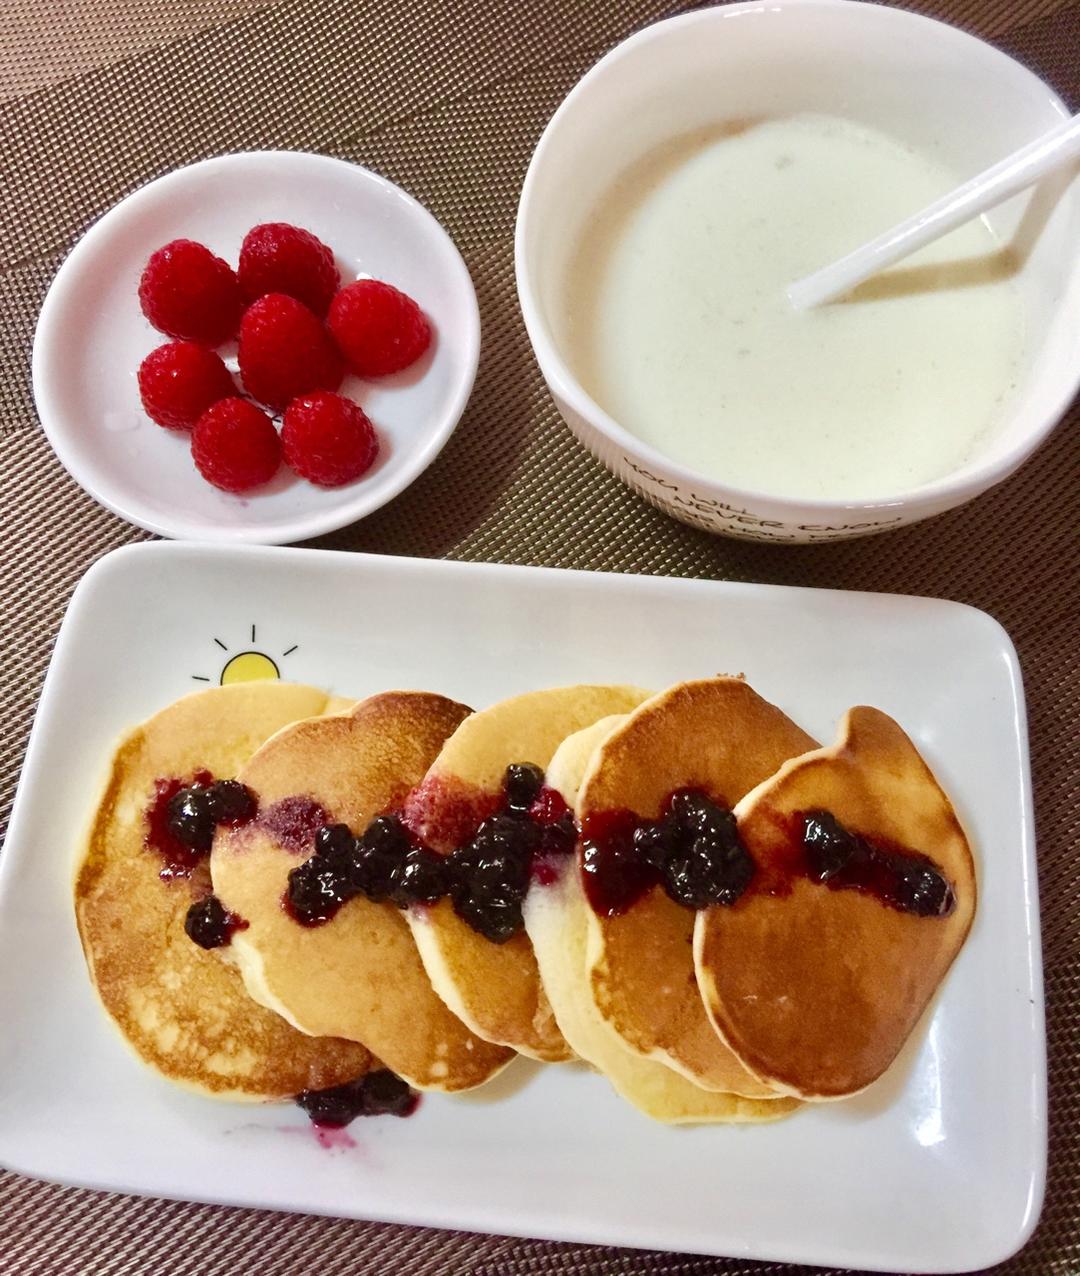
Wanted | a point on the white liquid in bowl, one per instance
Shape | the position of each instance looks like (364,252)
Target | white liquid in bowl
(676,321)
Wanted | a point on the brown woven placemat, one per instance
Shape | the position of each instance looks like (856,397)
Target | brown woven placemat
(448,99)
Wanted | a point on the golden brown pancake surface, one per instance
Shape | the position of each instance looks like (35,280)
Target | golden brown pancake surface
(496,988)
(816,989)
(184,1010)
(556,917)
(720,736)
(358,975)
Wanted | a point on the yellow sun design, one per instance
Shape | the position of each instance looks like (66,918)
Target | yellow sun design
(246,666)
(249,666)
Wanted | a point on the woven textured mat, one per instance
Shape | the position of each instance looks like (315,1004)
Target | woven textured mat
(448,100)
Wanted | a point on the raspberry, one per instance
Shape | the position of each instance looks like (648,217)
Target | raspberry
(277,257)
(235,446)
(327,439)
(377,328)
(187,292)
(179,381)
(285,351)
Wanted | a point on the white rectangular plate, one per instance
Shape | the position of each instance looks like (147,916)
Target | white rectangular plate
(940,1167)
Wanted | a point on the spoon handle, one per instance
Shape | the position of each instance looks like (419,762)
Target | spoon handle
(986,190)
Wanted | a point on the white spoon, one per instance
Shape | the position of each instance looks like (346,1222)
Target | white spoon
(991,187)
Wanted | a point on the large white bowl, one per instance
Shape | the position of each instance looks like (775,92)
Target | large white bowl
(91,337)
(921,81)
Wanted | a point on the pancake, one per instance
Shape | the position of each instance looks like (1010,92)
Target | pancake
(183,1009)
(817,989)
(556,918)
(358,975)
(719,736)
(495,988)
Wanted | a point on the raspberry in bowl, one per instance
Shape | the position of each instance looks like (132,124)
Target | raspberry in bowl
(282,233)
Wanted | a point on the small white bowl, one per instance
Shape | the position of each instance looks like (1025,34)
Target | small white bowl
(928,84)
(92,336)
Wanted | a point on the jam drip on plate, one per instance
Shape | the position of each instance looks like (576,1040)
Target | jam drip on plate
(183,814)
(693,851)
(378,1093)
(486,878)
(842,860)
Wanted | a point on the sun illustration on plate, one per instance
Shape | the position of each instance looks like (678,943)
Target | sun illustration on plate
(247,665)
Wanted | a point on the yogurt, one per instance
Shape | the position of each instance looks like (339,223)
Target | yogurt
(675,318)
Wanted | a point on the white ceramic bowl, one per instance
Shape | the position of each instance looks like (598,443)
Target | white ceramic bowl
(925,83)
(91,337)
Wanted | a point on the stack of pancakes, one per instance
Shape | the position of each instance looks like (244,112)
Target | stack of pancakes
(733,1012)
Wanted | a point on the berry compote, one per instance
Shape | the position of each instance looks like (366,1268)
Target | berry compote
(490,873)
(378,1093)
(382,864)
(486,878)
(183,814)
(842,860)
(693,851)
(210,924)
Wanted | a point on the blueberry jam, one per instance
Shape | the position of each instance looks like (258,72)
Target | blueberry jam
(693,851)
(490,873)
(486,877)
(521,785)
(183,814)
(378,856)
(420,877)
(381,864)
(842,860)
(195,812)
(379,1093)
(616,876)
(210,924)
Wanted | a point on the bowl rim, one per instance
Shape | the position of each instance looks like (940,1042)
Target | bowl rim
(347,509)
(943,493)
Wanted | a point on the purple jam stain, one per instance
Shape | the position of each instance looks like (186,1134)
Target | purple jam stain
(549,807)
(546,870)
(293,822)
(335,1138)
(444,813)
(557,843)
